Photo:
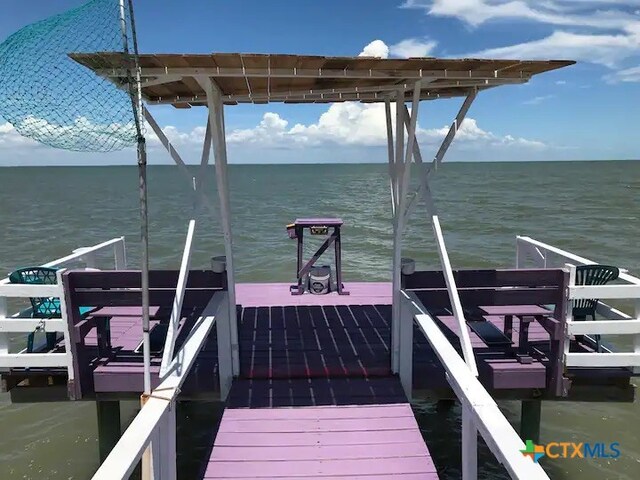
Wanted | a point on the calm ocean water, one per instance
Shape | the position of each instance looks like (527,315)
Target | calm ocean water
(590,208)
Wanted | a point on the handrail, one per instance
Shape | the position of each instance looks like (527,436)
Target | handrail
(499,435)
(624,275)
(615,322)
(176,311)
(454,297)
(154,425)
(16,323)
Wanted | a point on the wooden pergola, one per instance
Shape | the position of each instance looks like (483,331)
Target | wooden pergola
(219,79)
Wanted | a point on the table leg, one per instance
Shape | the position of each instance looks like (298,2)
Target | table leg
(508,326)
(523,340)
(103,332)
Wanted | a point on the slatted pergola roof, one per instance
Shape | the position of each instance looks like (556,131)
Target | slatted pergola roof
(255,78)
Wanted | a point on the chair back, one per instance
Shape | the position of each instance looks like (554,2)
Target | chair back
(43,307)
(592,275)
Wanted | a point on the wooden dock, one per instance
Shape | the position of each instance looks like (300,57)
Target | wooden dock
(340,441)
(315,395)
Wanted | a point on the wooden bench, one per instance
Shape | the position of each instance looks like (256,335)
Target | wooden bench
(508,288)
(110,292)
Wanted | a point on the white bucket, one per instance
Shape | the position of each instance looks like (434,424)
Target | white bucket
(219,264)
(408,266)
(320,280)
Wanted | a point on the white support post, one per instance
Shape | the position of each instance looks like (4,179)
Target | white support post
(66,329)
(636,338)
(392,173)
(4,337)
(216,116)
(225,364)
(163,445)
(405,369)
(569,310)
(397,236)
(469,444)
(120,255)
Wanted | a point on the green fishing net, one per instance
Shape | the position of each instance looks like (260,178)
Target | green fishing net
(50,98)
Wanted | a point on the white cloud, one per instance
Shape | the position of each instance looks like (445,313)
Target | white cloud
(626,75)
(538,100)
(377,48)
(607,50)
(410,47)
(581,13)
(413,47)
(604,32)
(364,125)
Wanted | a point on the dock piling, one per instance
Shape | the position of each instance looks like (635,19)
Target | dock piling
(530,420)
(108,426)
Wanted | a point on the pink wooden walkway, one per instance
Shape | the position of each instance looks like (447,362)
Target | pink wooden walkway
(338,442)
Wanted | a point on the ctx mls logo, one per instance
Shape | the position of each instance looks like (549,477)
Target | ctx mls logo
(571,450)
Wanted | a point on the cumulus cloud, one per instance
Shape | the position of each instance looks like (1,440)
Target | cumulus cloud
(356,124)
(410,47)
(604,32)
(377,48)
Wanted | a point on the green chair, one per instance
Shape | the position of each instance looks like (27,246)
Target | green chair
(41,307)
(592,275)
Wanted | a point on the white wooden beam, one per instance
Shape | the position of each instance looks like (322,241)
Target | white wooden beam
(33,360)
(216,115)
(397,235)
(28,325)
(446,143)
(604,327)
(176,310)
(417,74)
(578,292)
(454,297)
(391,159)
(590,359)
(177,158)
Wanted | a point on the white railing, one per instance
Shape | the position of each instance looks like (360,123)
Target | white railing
(480,413)
(153,431)
(176,311)
(615,322)
(16,323)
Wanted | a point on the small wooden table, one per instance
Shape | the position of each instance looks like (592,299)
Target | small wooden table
(525,314)
(102,315)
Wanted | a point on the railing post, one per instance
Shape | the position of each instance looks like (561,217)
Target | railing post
(518,253)
(406,346)
(67,327)
(120,255)
(636,338)
(568,314)
(469,444)
(163,446)
(4,337)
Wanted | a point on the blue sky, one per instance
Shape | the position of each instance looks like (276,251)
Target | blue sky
(587,111)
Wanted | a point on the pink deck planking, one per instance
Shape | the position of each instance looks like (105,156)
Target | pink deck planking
(277,294)
(369,441)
